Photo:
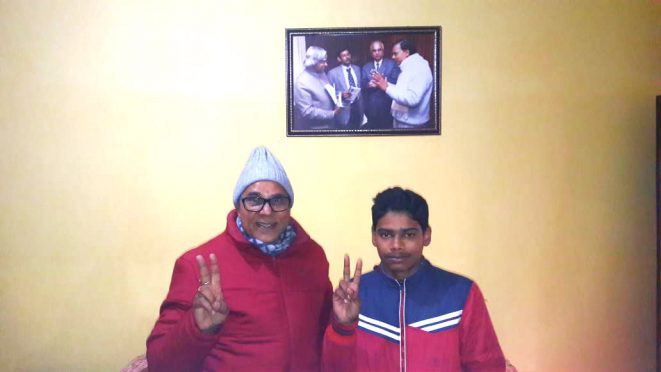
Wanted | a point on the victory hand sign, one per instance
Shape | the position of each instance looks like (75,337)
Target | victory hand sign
(209,307)
(346,303)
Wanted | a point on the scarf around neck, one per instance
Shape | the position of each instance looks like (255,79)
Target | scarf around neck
(272,249)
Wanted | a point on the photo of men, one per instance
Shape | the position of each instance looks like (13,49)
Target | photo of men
(381,81)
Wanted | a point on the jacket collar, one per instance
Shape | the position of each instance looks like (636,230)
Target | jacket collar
(419,274)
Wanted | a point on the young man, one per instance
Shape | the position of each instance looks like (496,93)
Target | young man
(345,77)
(408,315)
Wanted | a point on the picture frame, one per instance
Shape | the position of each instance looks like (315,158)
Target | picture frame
(315,92)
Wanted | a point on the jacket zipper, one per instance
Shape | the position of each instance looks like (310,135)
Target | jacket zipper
(402,326)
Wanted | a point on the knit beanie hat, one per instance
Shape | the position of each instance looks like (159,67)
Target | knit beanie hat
(262,166)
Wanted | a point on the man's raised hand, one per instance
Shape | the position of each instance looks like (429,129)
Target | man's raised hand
(209,307)
(346,302)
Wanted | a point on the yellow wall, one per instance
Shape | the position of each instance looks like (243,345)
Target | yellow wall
(124,125)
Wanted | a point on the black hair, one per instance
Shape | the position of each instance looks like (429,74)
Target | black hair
(408,45)
(396,199)
(342,50)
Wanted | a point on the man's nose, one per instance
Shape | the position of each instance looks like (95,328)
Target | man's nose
(396,243)
(265,210)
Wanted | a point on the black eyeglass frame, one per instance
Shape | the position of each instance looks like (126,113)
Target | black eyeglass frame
(265,201)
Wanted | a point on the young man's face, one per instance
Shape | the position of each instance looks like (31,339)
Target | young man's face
(265,225)
(344,58)
(399,240)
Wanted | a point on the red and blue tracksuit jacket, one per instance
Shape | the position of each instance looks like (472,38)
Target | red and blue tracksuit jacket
(432,321)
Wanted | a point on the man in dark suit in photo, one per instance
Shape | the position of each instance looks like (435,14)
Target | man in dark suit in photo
(345,78)
(375,101)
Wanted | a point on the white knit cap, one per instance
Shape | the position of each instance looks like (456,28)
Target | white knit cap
(262,165)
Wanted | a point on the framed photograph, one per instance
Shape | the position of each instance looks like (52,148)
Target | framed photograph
(379,81)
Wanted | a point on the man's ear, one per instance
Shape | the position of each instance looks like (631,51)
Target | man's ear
(374,238)
(426,236)
(339,59)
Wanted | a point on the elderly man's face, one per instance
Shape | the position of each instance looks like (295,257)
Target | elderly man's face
(265,225)
(398,54)
(321,66)
(377,51)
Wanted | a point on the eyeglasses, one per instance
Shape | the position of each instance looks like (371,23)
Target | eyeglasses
(257,203)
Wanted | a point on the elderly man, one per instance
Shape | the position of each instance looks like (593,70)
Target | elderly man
(408,315)
(375,101)
(254,298)
(314,106)
(412,92)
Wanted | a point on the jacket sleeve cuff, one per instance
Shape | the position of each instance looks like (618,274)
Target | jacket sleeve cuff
(390,90)
(344,329)
(196,334)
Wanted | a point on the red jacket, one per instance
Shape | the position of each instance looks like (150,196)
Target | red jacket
(279,308)
(432,321)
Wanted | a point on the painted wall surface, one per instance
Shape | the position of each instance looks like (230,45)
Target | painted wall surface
(124,125)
